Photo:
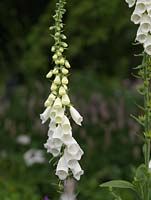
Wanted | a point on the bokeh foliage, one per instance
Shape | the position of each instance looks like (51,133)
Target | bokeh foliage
(99,36)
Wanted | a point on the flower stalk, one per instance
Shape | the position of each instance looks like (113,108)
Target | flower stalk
(61,143)
(147,106)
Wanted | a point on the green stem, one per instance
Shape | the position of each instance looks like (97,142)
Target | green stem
(147,121)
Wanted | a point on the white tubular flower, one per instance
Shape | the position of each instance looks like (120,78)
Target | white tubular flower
(62,91)
(141,7)
(141,37)
(65,100)
(131,3)
(52,125)
(51,97)
(57,103)
(73,147)
(66,124)
(53,114)
(145,23)
(51,148)
(45,115)
(55,152)
(59,115)
(77,171)
(136,17)
(75,115)
(71,159)
(62,169)
(67,138)
(57,137)
(149,9)
(147,45)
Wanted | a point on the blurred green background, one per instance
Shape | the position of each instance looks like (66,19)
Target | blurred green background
(100,37)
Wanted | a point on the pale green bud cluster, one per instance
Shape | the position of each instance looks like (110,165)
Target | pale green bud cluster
(60,72)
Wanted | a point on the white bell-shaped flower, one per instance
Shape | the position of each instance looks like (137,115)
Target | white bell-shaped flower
(140,7)
(73,147)
(71,159)
(66,124)
(149,9)
(147,45)
(76,115)
(145,23)
(77,171)
(53,114)
(45,115)
(51,148)
(62,169)
(141,36)
(131,3)
(136,17)
(59,115)
(57,136)
(67,138)
(55,151)
(57,104)
(52,127)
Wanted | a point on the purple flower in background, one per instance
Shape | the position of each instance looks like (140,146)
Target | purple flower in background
(46,198)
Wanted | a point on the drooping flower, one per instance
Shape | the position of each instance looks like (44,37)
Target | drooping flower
(76,115)
(142,16)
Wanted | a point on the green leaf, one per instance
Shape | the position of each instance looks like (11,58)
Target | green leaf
(141,173)
(119,184)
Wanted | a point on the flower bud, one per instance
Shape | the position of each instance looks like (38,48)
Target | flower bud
(65,71)
(62,61)
(64,44)
(57,62)
(55,57)
(51,97)
(57,34)
(54,92)
(67,64)
(53,87)
(57,80)
(64,80)
(57,104)
(49,75)
(53,48)
(65,87)
(59,54)
(63,37)
(61,49)
(55,71)
(51,28)
(47,103)
(62,91)
(76,115)
(65,100)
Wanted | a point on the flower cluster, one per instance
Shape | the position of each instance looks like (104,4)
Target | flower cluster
(142,16)
(60,141)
